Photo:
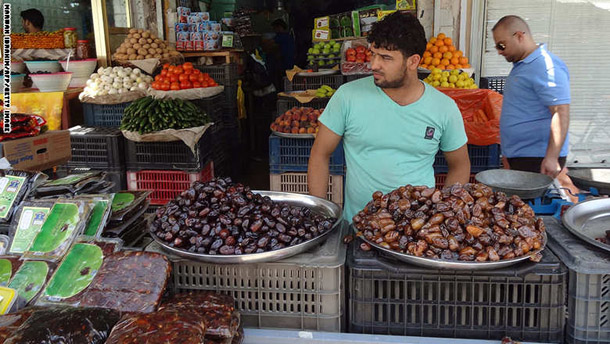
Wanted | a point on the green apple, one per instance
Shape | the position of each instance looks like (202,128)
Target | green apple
(331,56)
(332,42)
(327,46)
(310,57)
(316,51)
(321,63)
(337,46)
(325,51)
(310,51)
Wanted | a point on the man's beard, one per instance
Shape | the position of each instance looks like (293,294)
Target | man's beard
(396,83)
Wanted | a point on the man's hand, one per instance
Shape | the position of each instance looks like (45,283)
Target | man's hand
(550,167)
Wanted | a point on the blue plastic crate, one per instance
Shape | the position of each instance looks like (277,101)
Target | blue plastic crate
(104,115)
(481,158)
(292,155)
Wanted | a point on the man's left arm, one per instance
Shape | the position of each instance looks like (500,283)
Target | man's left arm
(560,123)
(459,166)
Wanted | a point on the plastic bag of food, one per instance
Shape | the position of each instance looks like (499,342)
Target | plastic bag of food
(27,222)
(99,214)
(66,325)
(70,184)
(29,279)
(117,228)
(129,282)
(125,204)
(133,234)
(74,274)
(15,186)
(108,245)
(167,326)
(8,267)
(9,323)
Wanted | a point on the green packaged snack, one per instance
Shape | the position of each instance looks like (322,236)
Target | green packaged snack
(66,220)
(26,224)
(70,184)
(8,267)
(99,214)
(29,279)
(15,186)
(125,203)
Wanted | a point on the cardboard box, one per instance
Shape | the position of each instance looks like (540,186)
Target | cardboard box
(193,18)
(319,35)
(39,152)
(216,26)
(322,23)
(197,39)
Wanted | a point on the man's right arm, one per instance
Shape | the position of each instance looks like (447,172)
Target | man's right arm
(317,171)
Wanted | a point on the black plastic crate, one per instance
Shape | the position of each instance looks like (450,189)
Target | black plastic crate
(103,115)
(174,155)
(481,158)
(495,83)
(225,74)
(353,77)
(116,175)
(301,83)
(284,104)
(96,147)
(525,301)
(215,107)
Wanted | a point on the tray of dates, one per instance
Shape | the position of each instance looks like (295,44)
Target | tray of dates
(589,220)
(224,222)
(466,227)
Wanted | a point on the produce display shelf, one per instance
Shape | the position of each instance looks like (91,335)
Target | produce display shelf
(297,183)
(304,292)
(103,115)
(481,158)
(284,104)
(588,313)
(166,184)
(96,147)
(301,83)
(292,155)
(175,155)
(525,301)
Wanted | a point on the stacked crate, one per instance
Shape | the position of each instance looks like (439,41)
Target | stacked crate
(289,157)
(97,149)
(481,158)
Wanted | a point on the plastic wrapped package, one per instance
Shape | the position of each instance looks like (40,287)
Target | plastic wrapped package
(129,282)
(66,220)
(15,186)
(201,300)
(70,184)
(126,203)
(9,323)
(108,246)
(118,228)
(99,214)
(8,267)
(136,232)
(27,222)
(74,274)
(9,300)
(29,280)
(66,325)
(167,326)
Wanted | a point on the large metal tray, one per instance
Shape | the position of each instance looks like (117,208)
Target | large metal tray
(451,264)
(589,220)
(527,185)
(317,205)
(585,178)
(294,136)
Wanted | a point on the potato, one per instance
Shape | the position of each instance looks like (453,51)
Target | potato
(137,36)
(154,45)
(149,56)
(140,57)
(148,40)
(152,51)
(133,30)
(142,41)
(142,51)
(121,50)
(132,56)
(140,30)
(158,56)
(162,45)
(133,41)
(145,34)
(137,46)
(131,51)
(157,40)
(130,36)
(159,51)
(166,55)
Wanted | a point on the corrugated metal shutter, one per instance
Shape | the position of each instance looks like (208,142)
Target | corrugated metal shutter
(576,31)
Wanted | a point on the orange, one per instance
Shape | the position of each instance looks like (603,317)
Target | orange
(448,55)
(438,55)
(459,53)
(458,66)
(432,40)
(439,43)
(444,62)
(436,61)
(427,54)
(424,66)
(463,60)
(450,66)
(427,60)
(443,49)
(466,66)
(448,41)
(428,46)
(451,48)
(434,49)
(455,60)
(441,36)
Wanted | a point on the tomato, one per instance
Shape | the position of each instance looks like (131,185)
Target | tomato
(204,84)
(212,84)
(187,65)
(173,78)
(175,86)
(158,77)
(188,71)
(196,71)
(164,72)
(155,85)
(171,69)
(196,84)
(205,75)
(183,77)
(193,77)
(201,78)
(178,70)
(165,86)
(186,84)
(166,66)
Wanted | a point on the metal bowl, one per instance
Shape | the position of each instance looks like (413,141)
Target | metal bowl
(452,264)
(589,220)
(527,185)
(317,205)
(584,178)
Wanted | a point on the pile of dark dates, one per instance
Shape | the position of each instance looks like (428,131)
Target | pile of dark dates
(226,218)
(467,223)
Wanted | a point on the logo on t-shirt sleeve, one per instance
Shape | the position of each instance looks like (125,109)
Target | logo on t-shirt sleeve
(429,133)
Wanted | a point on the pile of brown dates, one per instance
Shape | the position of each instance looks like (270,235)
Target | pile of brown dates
(467,223)
(226,218)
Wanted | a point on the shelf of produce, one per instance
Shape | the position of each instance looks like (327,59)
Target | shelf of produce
(284,104)
(305,292)
(292,155)
(297,183)
(588,296)
(524,302)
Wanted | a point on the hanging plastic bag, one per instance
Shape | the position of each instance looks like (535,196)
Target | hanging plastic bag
(481,109)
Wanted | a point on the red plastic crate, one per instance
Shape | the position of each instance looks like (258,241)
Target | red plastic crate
(166,185)
(439,178)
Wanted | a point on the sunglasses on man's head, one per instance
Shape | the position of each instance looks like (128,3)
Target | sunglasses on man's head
(502,46)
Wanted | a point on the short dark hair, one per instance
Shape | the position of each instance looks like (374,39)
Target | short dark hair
(399,31)
(34,16)
(279,22)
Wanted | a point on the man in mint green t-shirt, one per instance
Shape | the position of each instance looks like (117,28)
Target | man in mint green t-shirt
(392,124)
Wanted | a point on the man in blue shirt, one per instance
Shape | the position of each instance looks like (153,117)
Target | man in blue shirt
(536,107)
